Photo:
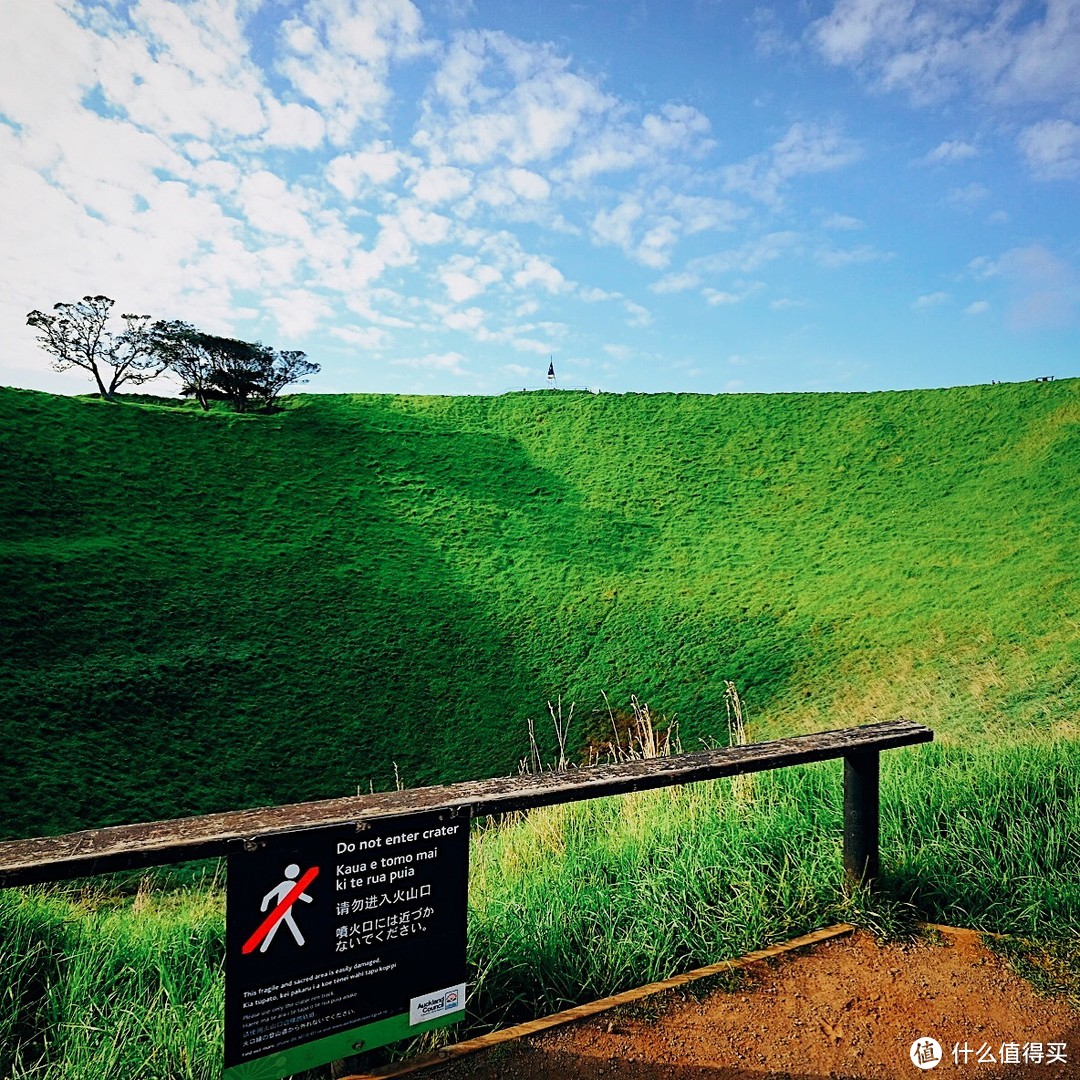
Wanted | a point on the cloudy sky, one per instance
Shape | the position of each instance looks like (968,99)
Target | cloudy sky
(694,195)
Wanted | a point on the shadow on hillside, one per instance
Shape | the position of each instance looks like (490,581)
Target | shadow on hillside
(276,612)
(451,545)
(286,609)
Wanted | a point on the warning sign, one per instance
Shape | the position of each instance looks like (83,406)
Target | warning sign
(342,939)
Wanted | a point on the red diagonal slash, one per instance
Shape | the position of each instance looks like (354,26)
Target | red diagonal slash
(278,913)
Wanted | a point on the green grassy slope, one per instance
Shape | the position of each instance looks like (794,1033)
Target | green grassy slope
(204,612)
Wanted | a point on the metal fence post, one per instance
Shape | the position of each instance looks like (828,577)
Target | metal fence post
(861,816)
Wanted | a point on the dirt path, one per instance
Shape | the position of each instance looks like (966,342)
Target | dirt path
(848,1008)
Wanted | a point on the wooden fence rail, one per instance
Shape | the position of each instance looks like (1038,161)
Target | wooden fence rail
(125,847)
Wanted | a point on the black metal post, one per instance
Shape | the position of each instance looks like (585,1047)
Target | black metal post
(861,818)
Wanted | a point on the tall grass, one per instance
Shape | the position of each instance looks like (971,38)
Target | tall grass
(584,899)
(99,985)
(572,902)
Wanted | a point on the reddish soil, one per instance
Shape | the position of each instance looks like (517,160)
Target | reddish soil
(846,1009)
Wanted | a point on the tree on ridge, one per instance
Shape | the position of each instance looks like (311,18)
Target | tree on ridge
(201,360)
(211,367)
(77,337)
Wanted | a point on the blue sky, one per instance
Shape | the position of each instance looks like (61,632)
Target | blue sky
(707,195)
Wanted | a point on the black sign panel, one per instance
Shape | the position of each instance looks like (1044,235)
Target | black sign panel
(344,935)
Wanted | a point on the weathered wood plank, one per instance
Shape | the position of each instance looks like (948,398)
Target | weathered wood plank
(124,847)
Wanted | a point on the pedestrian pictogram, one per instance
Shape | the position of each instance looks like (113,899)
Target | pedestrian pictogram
(286,894)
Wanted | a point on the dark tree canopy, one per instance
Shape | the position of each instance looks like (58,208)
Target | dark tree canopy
(77,337)
(286,366)
(220,368)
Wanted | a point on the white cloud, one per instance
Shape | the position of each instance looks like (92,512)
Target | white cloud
(394,246)
(950,151)
(969,196)
(364,337)
(932,50)
(465,277)
(298,311)
(837,258)
(531,345)
(423,226)
(469,320)
(725,298)
(647,228)
(46,43)
(442,184)
(537,271)
(460,287)
(770,37)
(377,165)
(623,145)
(179,210)
(1043,289)
(843,223)
(241,169)
(657,244)
(270,206)
(222,176)
(536,133)
(748,257)
(293,126)
(698,213)
(258,168)
(1051,149)
(805,149)
(979,307)
(495,98)
(182,70)
(929,300)
(338,55)
(448,362)
(615,226)
(528,185)
(852,28)
(716,297)
(592,295)
(673,283)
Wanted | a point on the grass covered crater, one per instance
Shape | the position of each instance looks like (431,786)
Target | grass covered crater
(206,611)
(210,611)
